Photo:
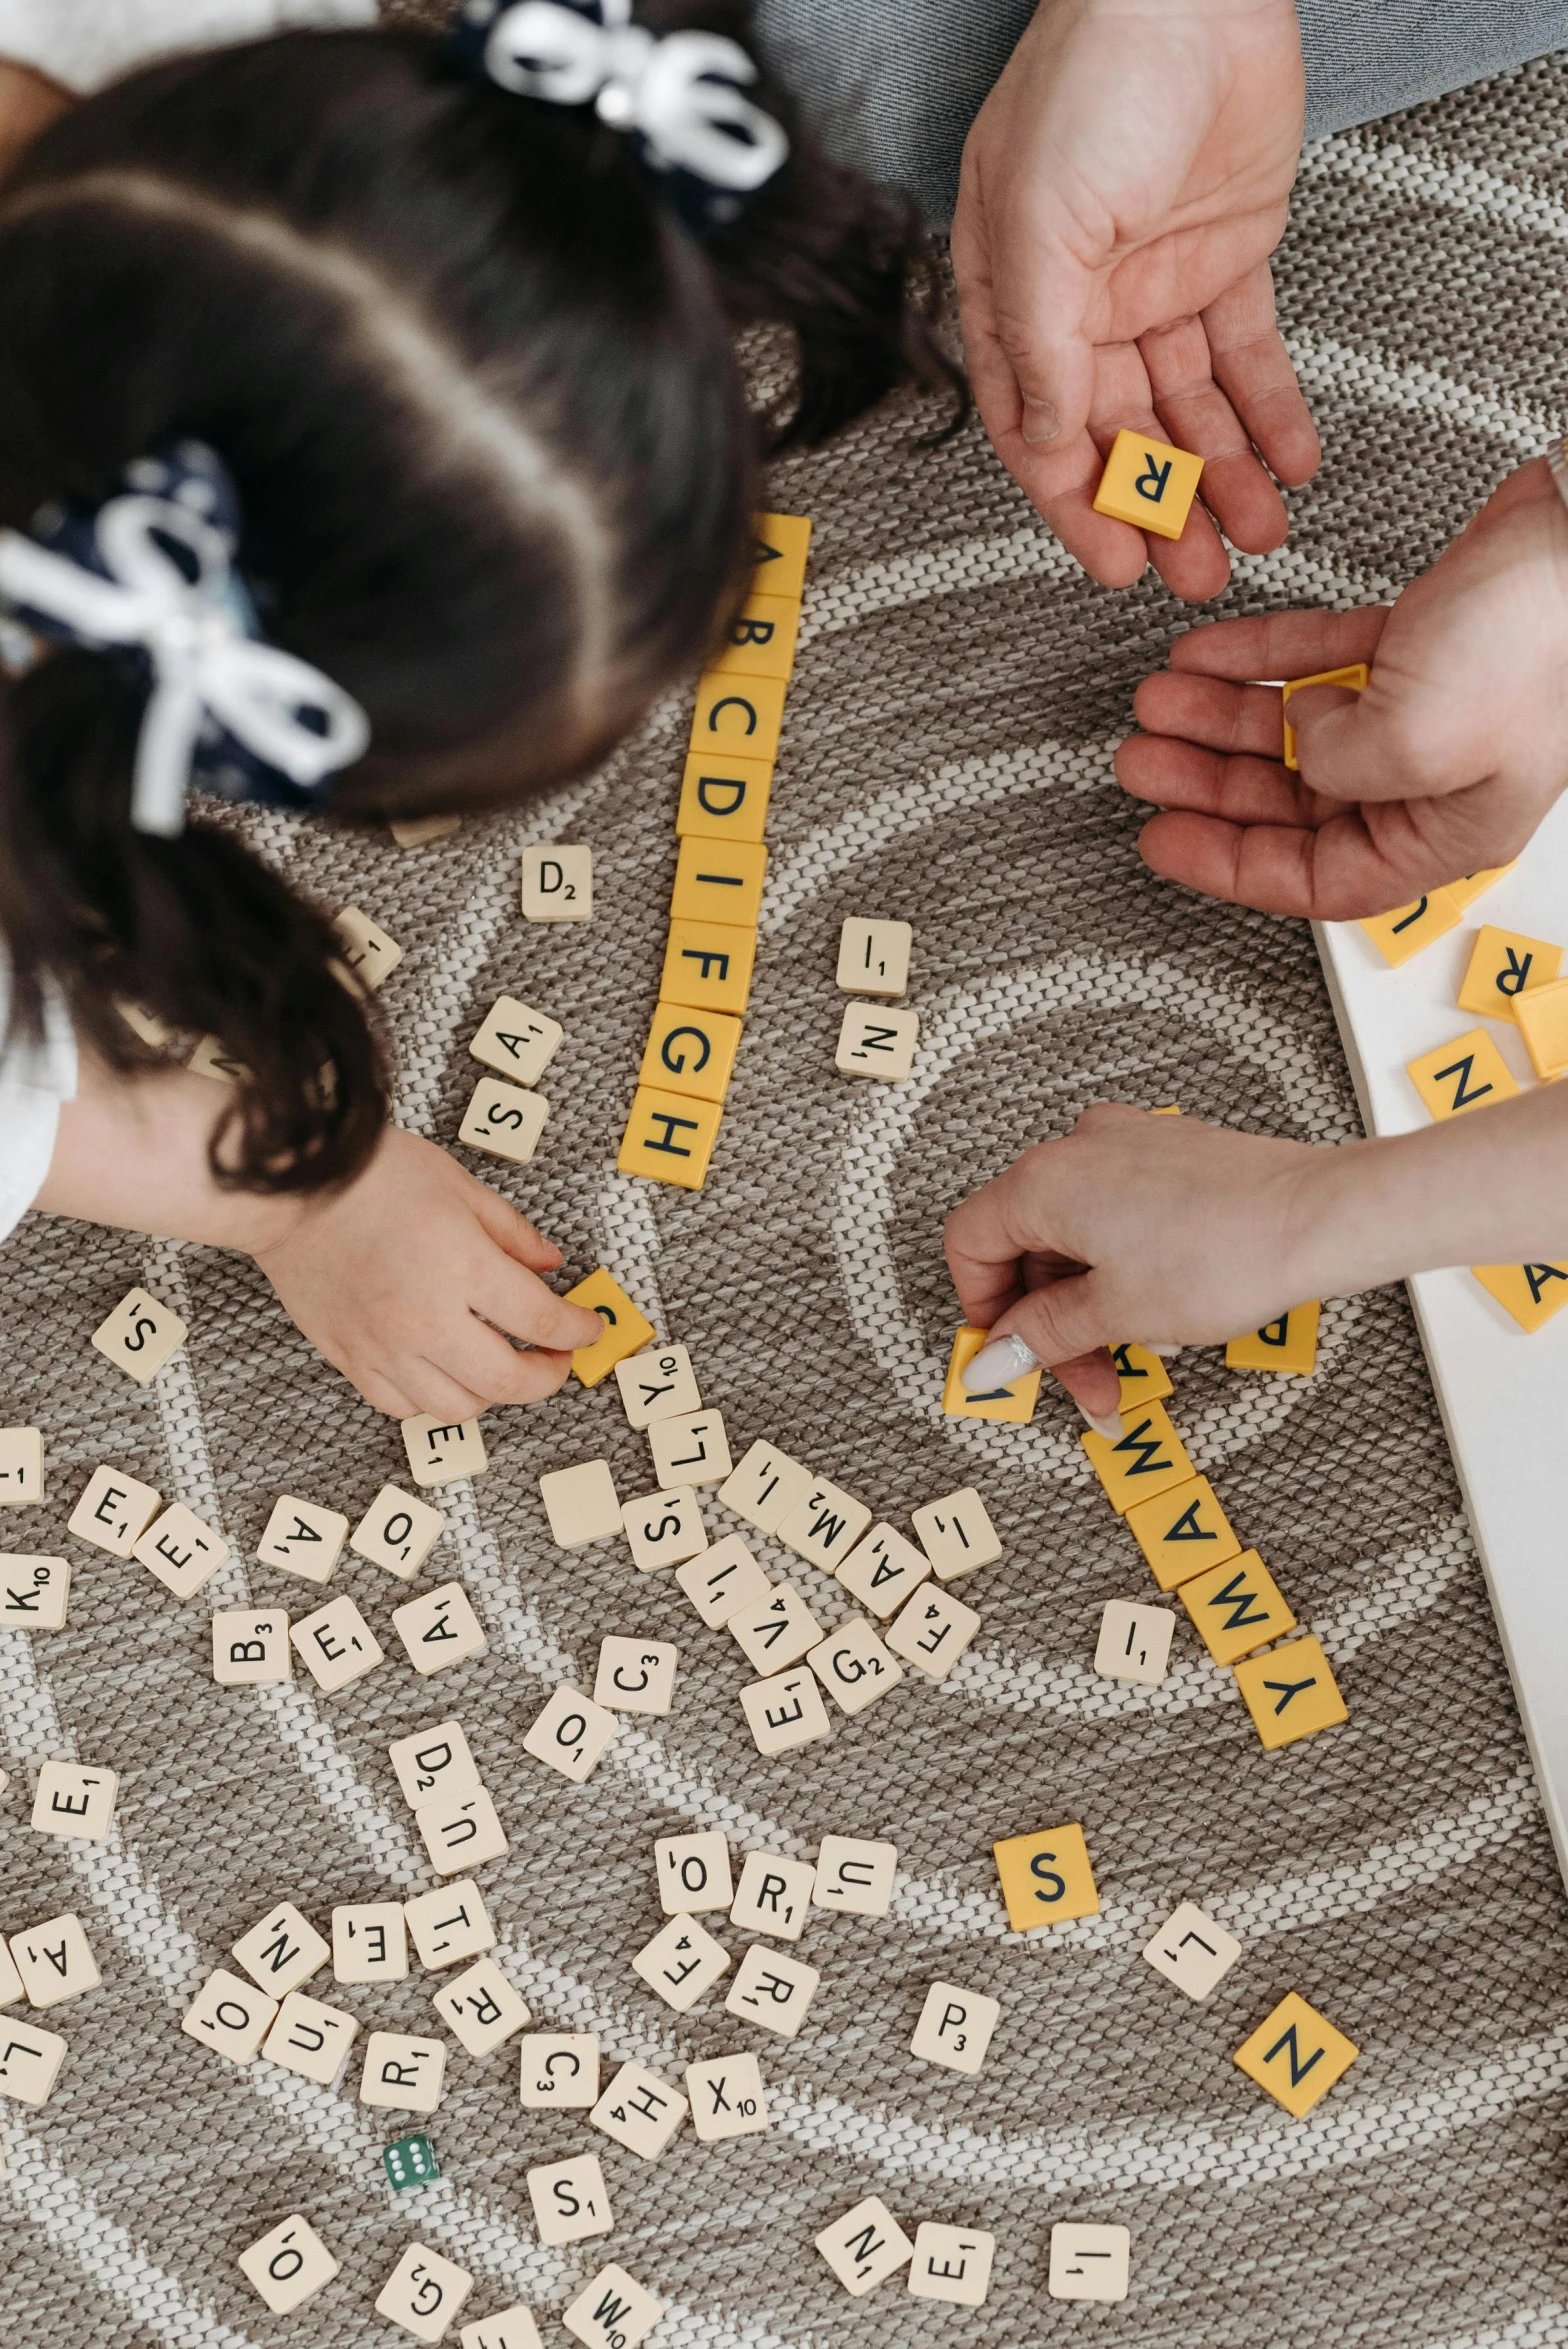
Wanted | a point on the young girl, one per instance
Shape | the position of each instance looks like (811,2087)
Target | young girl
(372,438)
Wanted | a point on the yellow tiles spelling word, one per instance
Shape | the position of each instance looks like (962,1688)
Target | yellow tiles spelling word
(669,1137)
(719,881)
(1148,483)
(1144,1377)
(1290,1343)
(1290,1693)
(1542,1020)
(1402,933)
(690,1051)
(1046,1878)
(1469,887)
(1505,965)
(724,798)
(741,715)
(1297,2055)
(1532,1293)
(1355,676)
(1148,1459)
(760,640)
(1014,1403)
(780,545)
(1462,1075)
(1183,1532)
(708,965)
(626,1330)
(1237,1606)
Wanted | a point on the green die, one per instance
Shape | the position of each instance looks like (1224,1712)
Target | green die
(411,2162)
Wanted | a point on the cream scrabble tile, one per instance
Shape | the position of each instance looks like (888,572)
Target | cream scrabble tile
(311,2039)
(21,1466)
(626,1330)
(766,1487)
(54,1962)
(432,1762)
(283,1952)
(876,1043)
(288,2265)
(772,1990)
(74,1801)
(786,1711)
(424,2293)
(397,1532)
(955,2027)
(35,1593)
(865,2246)
(721,1580)
(727,2098)
(440,1451)
(639,2111)
(30,2060)
(114,1511)
(854,1876)
(657,1384)
(1134,1643)
(571,1734)
(635,1675)
(509,2328)
(932,1631)
(504,1120)
(211,1060)
(250,1646)
(1088,2262)
(956,1534)
(681,1963)
(570,2199)
(1046,1878)
(952,2263)
(154,1032)
(419,831)
(560,2071)
(1297,2055)
(883,1569)
(773,1896)
(402,2073)
(370,1942)
(231,2016)
(1469,1072)
(777,1631)
(461,1831)
(481,2008)
(10,1982)
(581,1503)
(303,1539)
(336,1645)
(853,1666)
(873,956)
(1192,1951)
(664,1529)
(693,1872)
(558,884)
(515,1041)
(692,1450)
(448,1925)
(612,2311)
(139,1336)
(439,1629)
(364,947)
(1146,1460)
(824,1525)
(1237,1607)
(182,1551)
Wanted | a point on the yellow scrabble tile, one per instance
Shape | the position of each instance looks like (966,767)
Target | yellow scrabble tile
(1290,1343)
(625,1329)
(1542,1020)
(419,831)
(1402,933)
(1466,1072)
(1046,1878)
(760,640)
(708,965)
(1470,886)
(1182,1532)
(669,1137)
(1532,1293)
(1297,2055)
(1148,1459)
(1148,483)
(690,1051)
(1013,1403)
(1355,676)
(738,714)
(724,798)
(1237,1607)
(1144,1377)
(781,544)
(1167,1109)
(1504,965)
(719,881)
(1290,1693)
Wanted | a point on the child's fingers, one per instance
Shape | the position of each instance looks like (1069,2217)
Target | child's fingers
(433,1390)
(480,1361)
(384,1394)
(1243,790)
(1287,644)
(1212,710)
(519,1302)
(511,1230)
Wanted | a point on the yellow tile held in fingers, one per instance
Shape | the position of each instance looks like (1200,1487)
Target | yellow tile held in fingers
(741,715)
(708,965)
(1289,1343)
(1144,1377)
(1467,1073)
(760,640)
(1237,1607)
(1354,677)
(1046,1878)
(1148,483)
(1402,933)
(1542,1020)
(719,881)
(724,798)
(780,545)
(1504,965)
(690,1051)
(1014,1403)
(1148,1459)
(625,1328)
(1297,2055)
(1531,1293)
(1290,1693)
(669,1138)
(1182,1532)
(1470,886)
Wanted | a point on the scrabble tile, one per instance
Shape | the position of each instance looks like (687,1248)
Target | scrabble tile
(708,965)
(719,881)
(440,1451)
(1290,1692)
(515,1041)
(721,1580)
(1134,1643)
(402,2073)
(448,1925)
(1297,2055)
(557,884)
(1149,1458)
(873,1042)
(1468,1071)
(954,2263)
(560,2071)
(760,639)
(660,1384)
(310,2038)
(1143,1376)
(1288,1344)
(766,1487)
(302,1539)
(1046,1878)
(1183,1531)
(570,2199)
(669,1138)
(114,1511)
(932,1630)
(1542,1020)
(1531,1293)
(772,1990)
(639,2112)
(873,957)
(724,798)
(230,2015)
(742,715)
(481,2008)
(664,1529)
(626,1331)
(1088,2262)
(30,2060)
(955,2027)
(824,1525)
(154,1032)
(283,1952)
(424,2293)
(509,2328)
(250,1646)
(773,1896)
(397,1532)
(10,1980)
(693,1872)
(370,1942)
(1402,933)
(1013,1403)
(365,947)
(1355,675)
(419,831)
(34,1592)
(853,1666)
(956,1534)
(439,1629)
(1504,965)
(681,1963)
(409,2162)
(727,2098)
(288,2265)
(54,1962)
(1148,483)
(434,1761)
(139,1336)
(74,1801)
(581,1503)
(181,1551)
(690,1451)
(865,2246)
(1192,1951)
(777,1631)
(1470,886)
(21,1466)
(690,1051)
(461,1831)
(1237,1606)
(780,543)
(210,1059)
(882,1570)
(854,1877)
(571,1734)
(785,1712)
(612,2311)
(336,1645)
(635,1675)
(504,1120)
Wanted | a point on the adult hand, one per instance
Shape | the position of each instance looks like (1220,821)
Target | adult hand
(28,104)
(1445,765)
(1122,190)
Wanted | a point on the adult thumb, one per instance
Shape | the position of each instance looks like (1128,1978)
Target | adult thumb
(1356,746)
(1064,1326)
(1039,299)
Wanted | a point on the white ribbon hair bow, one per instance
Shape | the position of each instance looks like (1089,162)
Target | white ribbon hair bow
(204,664)
(639,82)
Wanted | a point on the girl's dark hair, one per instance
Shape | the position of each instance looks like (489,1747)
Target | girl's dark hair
(479,392)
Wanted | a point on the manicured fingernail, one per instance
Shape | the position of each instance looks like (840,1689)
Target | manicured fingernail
(1105,1423)
(1041,422)
(1164,1352)
(998,1364)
